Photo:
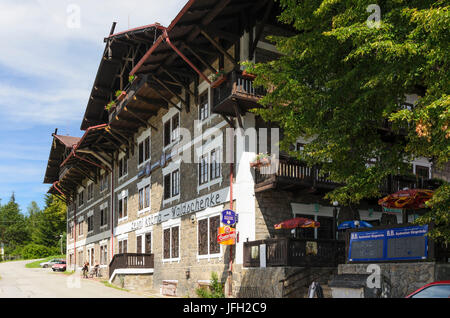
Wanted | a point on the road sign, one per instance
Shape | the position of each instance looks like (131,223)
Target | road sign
(229,217)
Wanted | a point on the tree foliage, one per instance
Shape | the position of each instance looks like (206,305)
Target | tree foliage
(13,232)
(340,80)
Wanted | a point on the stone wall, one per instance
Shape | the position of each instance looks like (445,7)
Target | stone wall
(404,278)
(138,282)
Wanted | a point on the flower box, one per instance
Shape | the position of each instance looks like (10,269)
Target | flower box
(219,81)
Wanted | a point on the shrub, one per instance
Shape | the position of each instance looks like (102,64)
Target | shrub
(33,250)
(214,291)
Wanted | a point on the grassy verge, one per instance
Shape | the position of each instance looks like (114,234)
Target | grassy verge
(35,264)
(107,284)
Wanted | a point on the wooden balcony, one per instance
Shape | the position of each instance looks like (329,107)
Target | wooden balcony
(291,173)
(236,95)
(131,260)
(295,252)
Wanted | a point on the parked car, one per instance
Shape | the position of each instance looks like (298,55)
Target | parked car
(439,289)
(60,266)
(50,263)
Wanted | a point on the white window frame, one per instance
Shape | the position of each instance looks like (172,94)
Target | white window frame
(123,158)
(104,206)
(169,225)
(90,184)
(143,233)
(81,191)
(121,196)
(169,116)
(207,214)
(103,176)
(215,145)
(121,239)
(104,245)
(172,167)
(90,214)
(141,186)
(145,134)
(204,86)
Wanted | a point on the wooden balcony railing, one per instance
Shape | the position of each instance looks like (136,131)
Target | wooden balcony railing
(236,87)
(295,252)
(129,260)
(289,172)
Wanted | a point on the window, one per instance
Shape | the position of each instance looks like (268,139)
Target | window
(80,228)
(103,255)
(144,197)
(123,167)
(171,129)
(148,243)
(90,222)
(175,183)
(103,216)
(171,243)
(144,150)
(215,165)
(207,236)
(203,170)
(422,172)
(80,258)
(81,198)
(123,207)
(103,182)
(209,168)
(203,107)
(172,184)
(123,246)
(300,147)
(90,192)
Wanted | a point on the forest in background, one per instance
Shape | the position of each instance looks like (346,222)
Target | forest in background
(36,233)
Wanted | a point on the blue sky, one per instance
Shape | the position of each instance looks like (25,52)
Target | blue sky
(47,71)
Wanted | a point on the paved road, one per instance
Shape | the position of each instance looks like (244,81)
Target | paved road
(17,281)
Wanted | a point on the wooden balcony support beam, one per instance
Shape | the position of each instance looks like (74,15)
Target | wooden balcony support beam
(198,57)
(139,119)
(156,90)
(219,48)
(260,29)
(170,91)
(177,81)
(150,101)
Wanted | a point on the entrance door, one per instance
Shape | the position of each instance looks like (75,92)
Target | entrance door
(148,243)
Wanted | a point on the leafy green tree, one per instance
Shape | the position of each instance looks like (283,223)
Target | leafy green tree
(33,218)
(13,231)
(52,222)
(340,81)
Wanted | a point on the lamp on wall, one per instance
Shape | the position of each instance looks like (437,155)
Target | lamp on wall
(335,215)
(188,273)
(193,218)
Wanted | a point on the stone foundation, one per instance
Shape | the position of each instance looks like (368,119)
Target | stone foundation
(404,278)
(141,282)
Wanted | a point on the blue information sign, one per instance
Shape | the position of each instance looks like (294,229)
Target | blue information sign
(229,217)
(403,243)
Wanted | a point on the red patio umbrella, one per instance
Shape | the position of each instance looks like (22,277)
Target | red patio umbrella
(412,199)
(297,222)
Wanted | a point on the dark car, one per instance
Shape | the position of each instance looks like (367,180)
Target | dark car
(59,266)
(439,289)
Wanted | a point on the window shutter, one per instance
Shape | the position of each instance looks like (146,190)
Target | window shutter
(175,242)
(214,224)
(166,236)
(203,237)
